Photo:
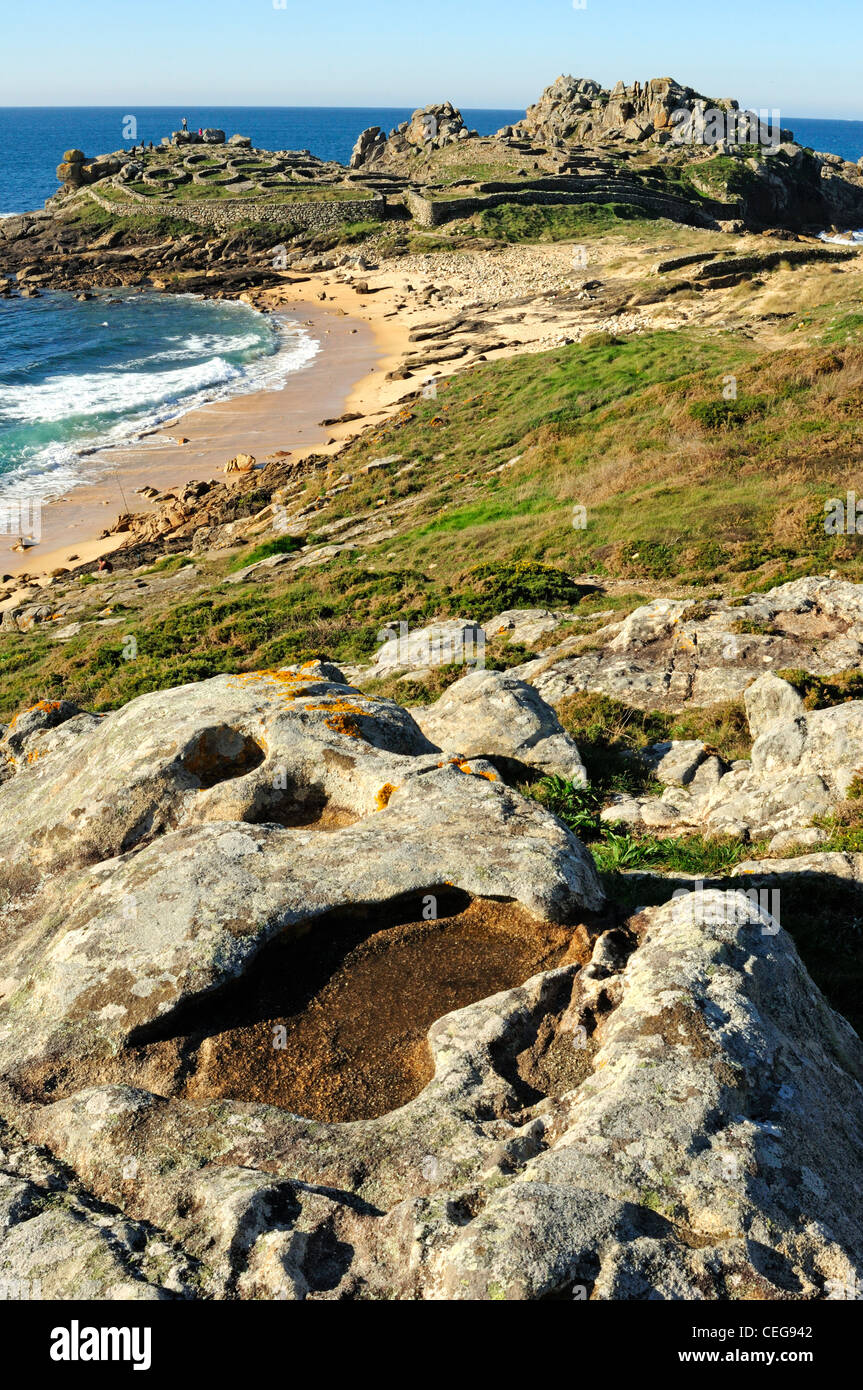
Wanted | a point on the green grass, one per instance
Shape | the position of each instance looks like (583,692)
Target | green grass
(607,424)
(479,172)
(138,225)
(169,564)
(723,177)
(608,732)
(686,854)
(722,414)
(517,222)
(616,848)
(822,692)
(283,545)
(847,328)
(311,193)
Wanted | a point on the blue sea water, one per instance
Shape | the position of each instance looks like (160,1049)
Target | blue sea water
(73,374)
(844,138)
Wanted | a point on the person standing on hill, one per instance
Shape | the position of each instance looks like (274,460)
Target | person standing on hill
(185,123)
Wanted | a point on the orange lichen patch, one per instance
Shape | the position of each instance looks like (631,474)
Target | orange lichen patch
(341,716)
(34,754)
(49,706)
(464,767)
(343,724)
(382,799)
(287,683)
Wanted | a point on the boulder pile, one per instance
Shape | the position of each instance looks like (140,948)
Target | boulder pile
(577,108)
(429,128)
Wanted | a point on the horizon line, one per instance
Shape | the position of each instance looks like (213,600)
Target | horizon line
(227,106)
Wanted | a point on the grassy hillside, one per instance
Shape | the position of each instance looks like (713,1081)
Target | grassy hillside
(680,488)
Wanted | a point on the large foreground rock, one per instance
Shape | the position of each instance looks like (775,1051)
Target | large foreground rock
(682,1118)
(239,808)
(770,701)
(672,1111)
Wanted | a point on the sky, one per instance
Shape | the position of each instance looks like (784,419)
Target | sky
(799,56)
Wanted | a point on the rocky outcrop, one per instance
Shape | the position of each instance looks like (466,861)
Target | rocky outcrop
(804,763)
(658,1123)
(770,701)
(429,128)
(370,145)
(494,714)
(275,798)
(801,768)
(776,182)
(76,169)
(210,136)
(673,652)
(290,748)
(305,1002)
(579,108)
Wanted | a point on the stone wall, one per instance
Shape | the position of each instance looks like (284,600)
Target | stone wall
(220,215)
(431,213)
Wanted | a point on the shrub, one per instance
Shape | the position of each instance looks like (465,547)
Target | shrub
(715,415)
(522,584)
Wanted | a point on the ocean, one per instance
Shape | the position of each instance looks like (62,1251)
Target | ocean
(74,374)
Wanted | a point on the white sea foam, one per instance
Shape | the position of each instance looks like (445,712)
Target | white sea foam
(197,345)
(841,238)
(109,393)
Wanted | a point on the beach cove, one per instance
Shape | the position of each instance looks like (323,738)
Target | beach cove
(345,376)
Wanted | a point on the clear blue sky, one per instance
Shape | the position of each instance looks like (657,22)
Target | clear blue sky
(798,55)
